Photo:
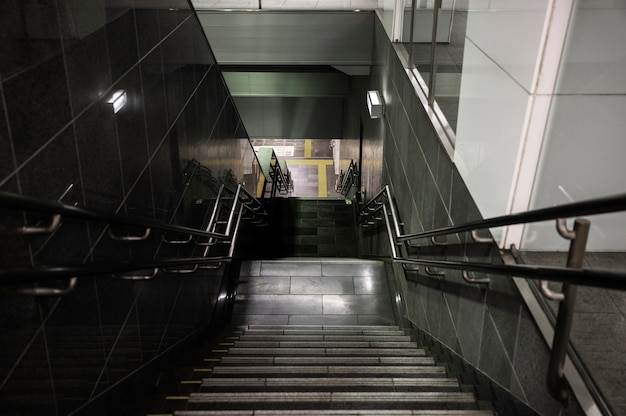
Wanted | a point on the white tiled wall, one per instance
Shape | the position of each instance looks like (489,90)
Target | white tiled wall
(583,156)
(491,116)
(501,53)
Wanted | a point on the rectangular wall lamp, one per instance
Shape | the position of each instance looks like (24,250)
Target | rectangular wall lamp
(375,104)
(117,100)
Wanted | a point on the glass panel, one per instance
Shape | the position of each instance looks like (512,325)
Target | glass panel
(419,46)
(449,58)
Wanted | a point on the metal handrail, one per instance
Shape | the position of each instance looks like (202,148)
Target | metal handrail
(584,277)
(25,203)
(19,275)
(590,207)
(347,179)
(571,276)
(242,200)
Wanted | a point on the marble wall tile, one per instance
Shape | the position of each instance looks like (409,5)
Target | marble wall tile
(57,130)
(38,105)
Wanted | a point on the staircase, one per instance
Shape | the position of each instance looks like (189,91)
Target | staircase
(322,370)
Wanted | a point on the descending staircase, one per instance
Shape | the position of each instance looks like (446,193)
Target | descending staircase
(322,370)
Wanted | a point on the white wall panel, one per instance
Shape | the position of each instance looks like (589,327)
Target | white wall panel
(583,155)
(492,109)
(510,36)
(290,38)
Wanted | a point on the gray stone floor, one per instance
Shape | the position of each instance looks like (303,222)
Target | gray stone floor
(313,292)
(599,327)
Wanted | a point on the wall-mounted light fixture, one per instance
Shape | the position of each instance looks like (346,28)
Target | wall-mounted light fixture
(117,100)
(375,104)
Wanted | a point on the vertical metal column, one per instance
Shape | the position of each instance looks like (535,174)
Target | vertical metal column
(413,6)
(557,385)
(433,54)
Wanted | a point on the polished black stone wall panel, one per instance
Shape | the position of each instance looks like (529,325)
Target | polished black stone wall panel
(6,147)
(38,106)
(147,27)
(154,96)
(121,50)
(59,139)
(88,73)
(99,151)
(488,326)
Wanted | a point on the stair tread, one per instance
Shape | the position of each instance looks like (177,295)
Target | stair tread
(324,337)
(323,344)
(301,397)
(372,332)
(337,360)
(330,381)
(313,369)
(334,412)
(328,351)
(319,327)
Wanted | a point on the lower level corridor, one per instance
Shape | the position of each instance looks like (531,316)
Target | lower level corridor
(310,162)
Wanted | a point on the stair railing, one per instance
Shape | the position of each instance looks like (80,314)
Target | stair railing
(276,170)
(242,201)
(348,181)
(282,176)
(381,209)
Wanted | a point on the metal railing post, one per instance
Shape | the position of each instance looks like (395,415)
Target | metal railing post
(557,385)
(433,54)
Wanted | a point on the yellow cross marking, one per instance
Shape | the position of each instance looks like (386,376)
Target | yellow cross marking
(307,147)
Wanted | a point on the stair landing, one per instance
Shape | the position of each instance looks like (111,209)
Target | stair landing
(313,291)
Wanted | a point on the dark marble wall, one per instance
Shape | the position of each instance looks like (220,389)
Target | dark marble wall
(487,326)
(178,136)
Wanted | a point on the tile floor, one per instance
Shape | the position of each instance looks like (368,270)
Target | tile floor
(599,327)
(313,292)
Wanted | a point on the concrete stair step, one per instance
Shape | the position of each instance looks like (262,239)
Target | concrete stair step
(386,352)
(320,337)
(338,360)
(344,328)
(327,331)
(344,370)
(330,384)
(320,400)
(319,344)
(334,412)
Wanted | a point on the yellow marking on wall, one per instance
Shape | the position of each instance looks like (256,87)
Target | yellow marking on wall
(176,397)
(308,144)
(202,370)
(191,382)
